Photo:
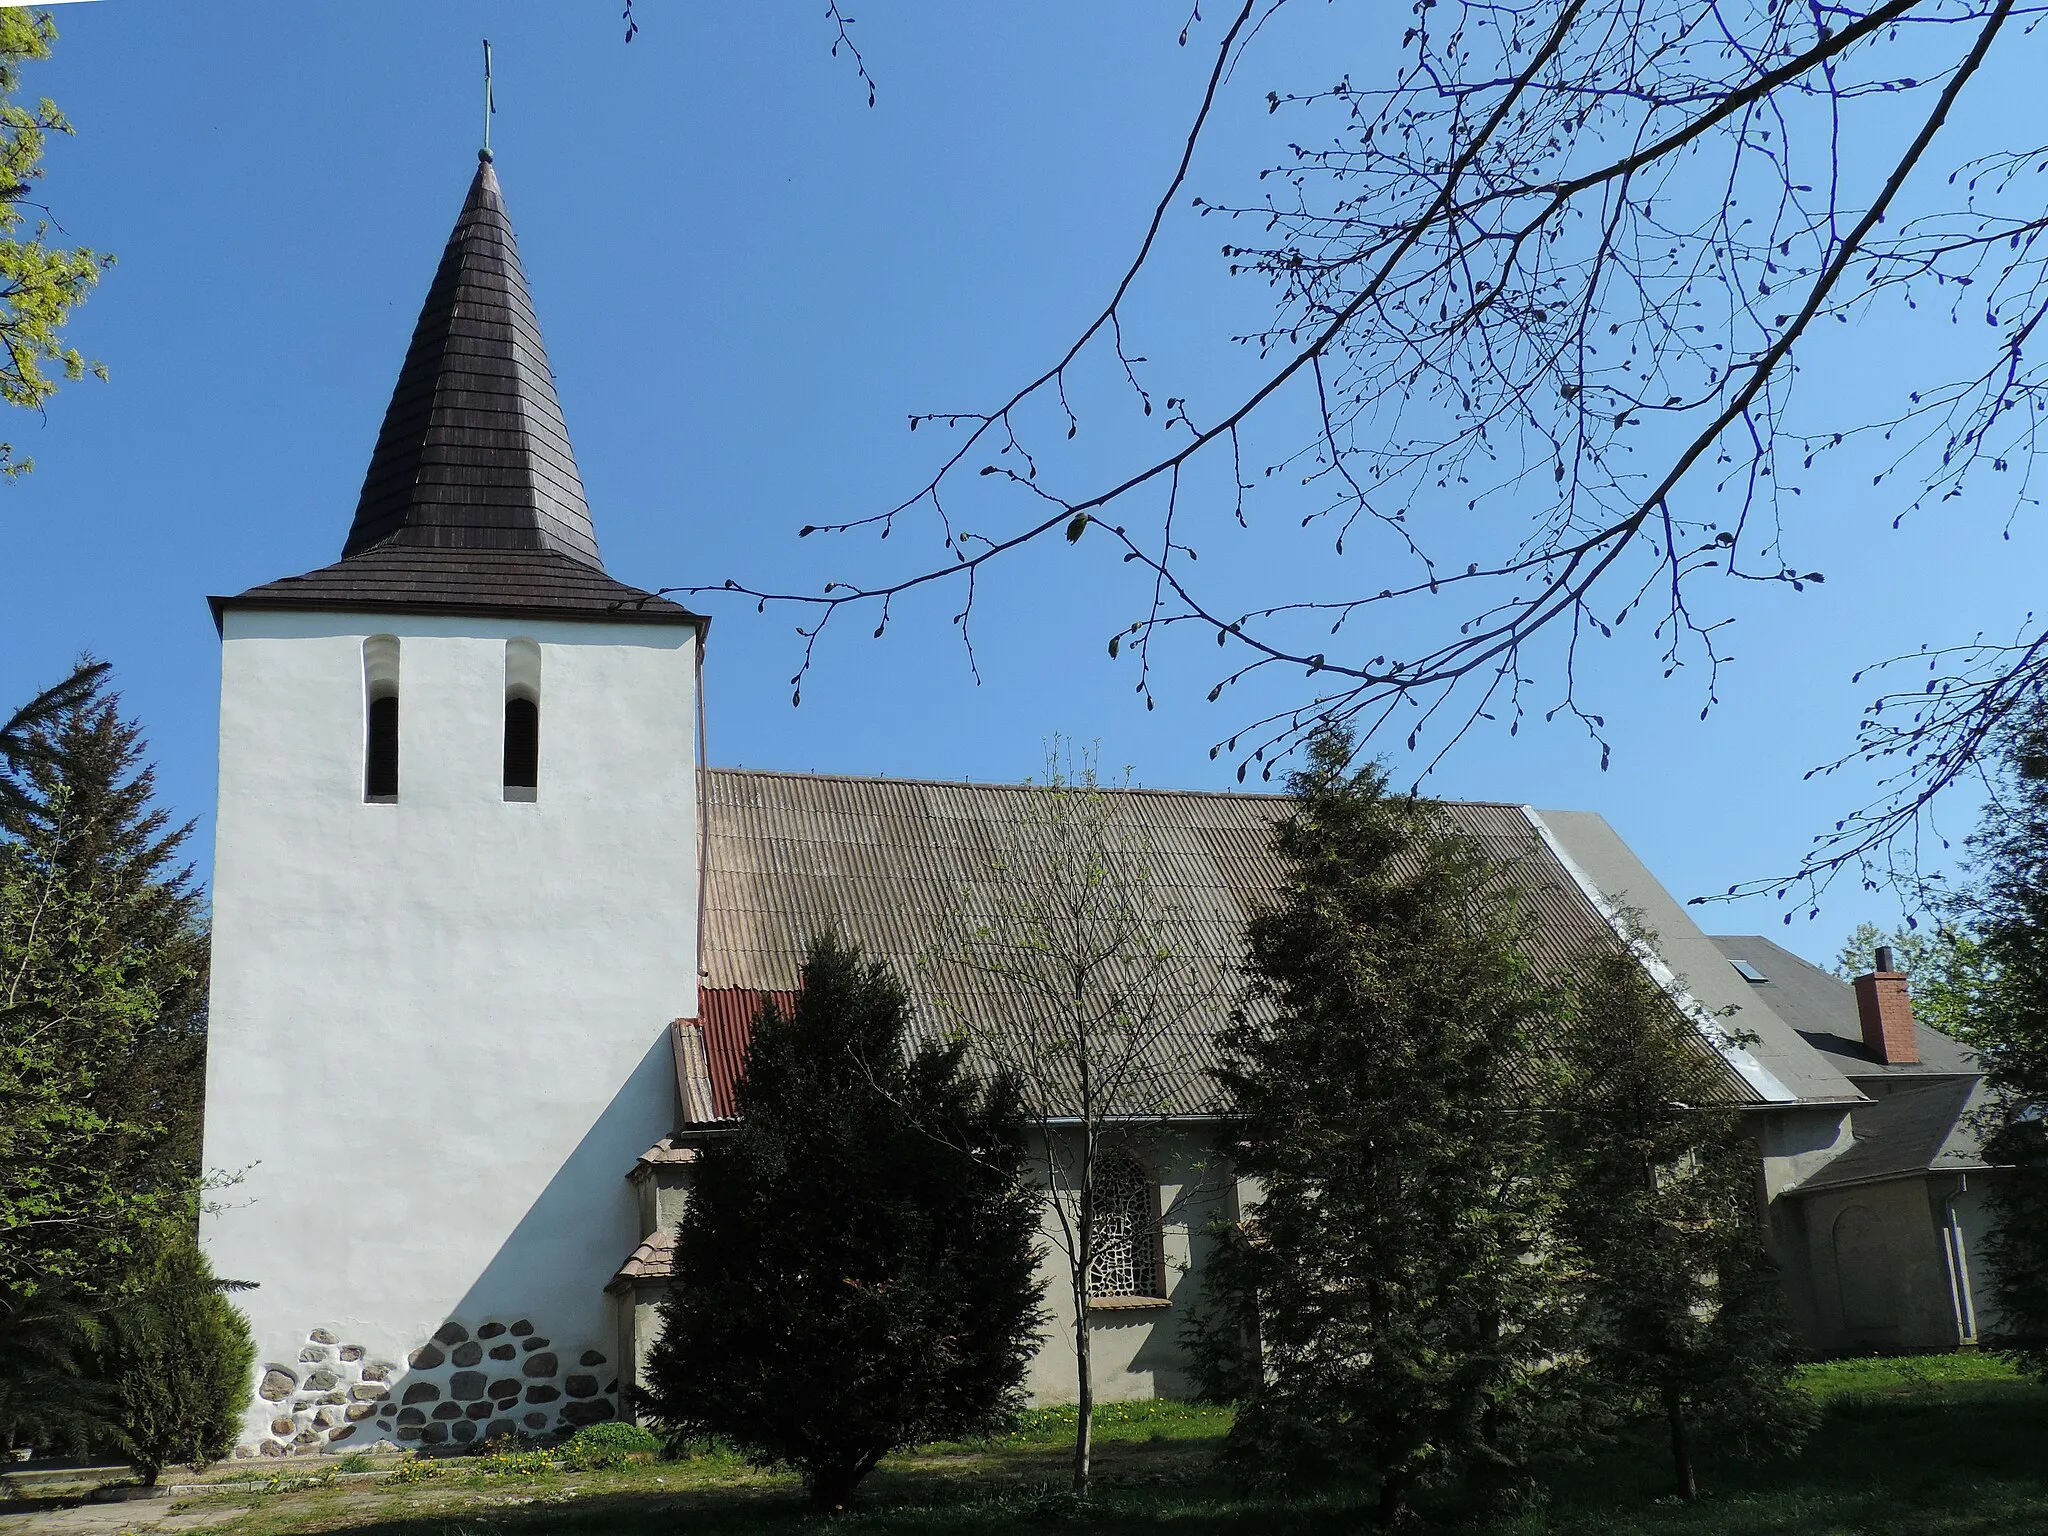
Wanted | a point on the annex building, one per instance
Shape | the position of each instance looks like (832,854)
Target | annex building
(489,933)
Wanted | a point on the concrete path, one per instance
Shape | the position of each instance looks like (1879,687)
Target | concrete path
(110,1519)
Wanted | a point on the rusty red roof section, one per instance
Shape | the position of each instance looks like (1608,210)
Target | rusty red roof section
(726,1016)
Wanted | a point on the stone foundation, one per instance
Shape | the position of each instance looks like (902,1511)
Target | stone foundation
(462,1386)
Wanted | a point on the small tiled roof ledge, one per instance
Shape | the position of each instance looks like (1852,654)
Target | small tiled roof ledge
(1738,1056)
(694,1096)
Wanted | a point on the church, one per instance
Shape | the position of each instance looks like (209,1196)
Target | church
(489,933)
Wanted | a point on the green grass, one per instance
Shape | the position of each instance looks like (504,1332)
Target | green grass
(1951,1446)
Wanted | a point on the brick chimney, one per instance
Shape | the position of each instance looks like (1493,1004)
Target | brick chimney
(1886,1012)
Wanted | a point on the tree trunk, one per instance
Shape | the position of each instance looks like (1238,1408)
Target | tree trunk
(1394,1500)
(1681,1446)
(1084,1393)
(832,1487)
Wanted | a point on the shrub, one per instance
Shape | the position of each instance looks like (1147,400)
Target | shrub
(177,1357)
(597,1447)
(855,1270)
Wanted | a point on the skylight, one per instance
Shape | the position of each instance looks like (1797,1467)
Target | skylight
(1747,971)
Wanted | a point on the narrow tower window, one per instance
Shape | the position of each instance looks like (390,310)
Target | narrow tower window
(380,692)
(522,720)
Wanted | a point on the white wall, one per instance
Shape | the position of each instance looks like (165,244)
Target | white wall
(437,1043)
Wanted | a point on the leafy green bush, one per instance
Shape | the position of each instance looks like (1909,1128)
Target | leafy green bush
(598,1447)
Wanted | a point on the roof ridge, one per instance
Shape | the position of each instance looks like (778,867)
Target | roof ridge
(1117,789)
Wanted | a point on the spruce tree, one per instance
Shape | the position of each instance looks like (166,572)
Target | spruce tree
(856,1266)
(1681,1310)
(1381,1078)
(103,973)
(2009,911)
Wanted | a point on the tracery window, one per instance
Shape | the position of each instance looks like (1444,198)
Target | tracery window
(1126,1261)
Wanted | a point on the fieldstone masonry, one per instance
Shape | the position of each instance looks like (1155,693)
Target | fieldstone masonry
(448,1392)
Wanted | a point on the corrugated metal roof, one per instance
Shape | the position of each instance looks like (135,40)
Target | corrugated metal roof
(894,864)
(726,1019)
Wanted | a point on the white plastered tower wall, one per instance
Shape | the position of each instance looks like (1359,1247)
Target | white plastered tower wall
(437,1033)
(439,1006)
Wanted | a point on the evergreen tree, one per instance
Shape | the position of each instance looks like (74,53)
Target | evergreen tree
(1682,1313)
(855,1269)
(25,736)
(2010,1030)
(103,971)
(48,1402)
(176,1358)
(1381,1077)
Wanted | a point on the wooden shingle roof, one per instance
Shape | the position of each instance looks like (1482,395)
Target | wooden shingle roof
(537,583)
(474,453)
(472,502)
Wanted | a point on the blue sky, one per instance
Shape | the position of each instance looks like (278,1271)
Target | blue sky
(748,280)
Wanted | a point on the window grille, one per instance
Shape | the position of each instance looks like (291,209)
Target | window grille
(1126,1259)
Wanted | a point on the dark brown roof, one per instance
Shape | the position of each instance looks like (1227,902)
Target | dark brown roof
(474,453)
(540,583)
(895,865)
(472,502)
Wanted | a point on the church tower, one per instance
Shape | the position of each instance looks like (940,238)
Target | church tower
(455,909)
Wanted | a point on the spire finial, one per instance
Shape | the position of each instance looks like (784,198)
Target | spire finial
(490,106)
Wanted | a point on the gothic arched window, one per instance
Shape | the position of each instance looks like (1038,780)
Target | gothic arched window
(1126,1261)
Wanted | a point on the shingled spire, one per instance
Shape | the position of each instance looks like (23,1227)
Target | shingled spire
(473,453)
(472,503)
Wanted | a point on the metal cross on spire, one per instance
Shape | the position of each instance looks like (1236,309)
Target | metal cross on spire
(490,101)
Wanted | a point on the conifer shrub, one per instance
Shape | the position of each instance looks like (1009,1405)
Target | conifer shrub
(855,1269)
(1391,1308)
(1681,1313)
(2008,908)
(177,1358)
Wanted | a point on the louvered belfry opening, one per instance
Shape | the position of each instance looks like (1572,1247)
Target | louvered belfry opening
(473,453)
